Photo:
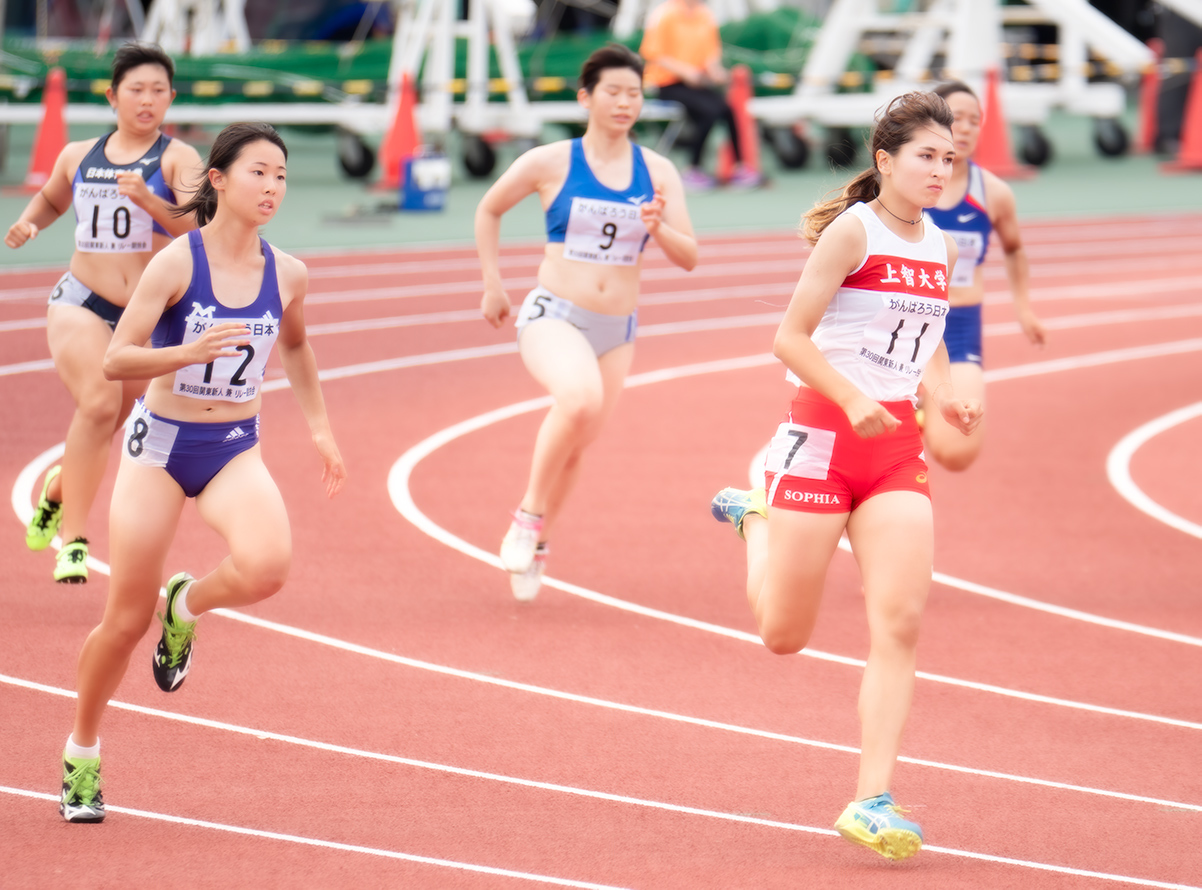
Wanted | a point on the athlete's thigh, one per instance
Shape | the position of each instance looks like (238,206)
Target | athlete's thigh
(614,367)
(892,538)
(143,516)
(559,357)
(800,547)
(243,504)
(78,339)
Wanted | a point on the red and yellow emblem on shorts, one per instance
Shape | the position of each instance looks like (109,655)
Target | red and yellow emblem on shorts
(921,478)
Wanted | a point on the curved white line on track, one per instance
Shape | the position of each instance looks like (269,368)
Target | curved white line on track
(398,488)
(544,786)
(335,845)
(1118,468)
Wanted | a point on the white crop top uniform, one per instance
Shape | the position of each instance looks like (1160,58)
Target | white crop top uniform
(886,320)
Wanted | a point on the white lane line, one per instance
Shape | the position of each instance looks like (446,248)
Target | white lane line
(42,364)
(398,489)
(1094,359)
(591,701)
(1118,468)
(541,786)
(329,845)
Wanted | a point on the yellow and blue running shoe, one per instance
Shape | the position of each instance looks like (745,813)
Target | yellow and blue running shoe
(173,654)
(81,800)
(46,516)
(878,823)
(732,505)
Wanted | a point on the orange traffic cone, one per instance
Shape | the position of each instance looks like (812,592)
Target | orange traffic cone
(738,94)
(52,132)
(1189,156)
(1149,98)
(993,147)
(402,138)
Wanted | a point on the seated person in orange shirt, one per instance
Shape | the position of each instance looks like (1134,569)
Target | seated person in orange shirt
(684,61)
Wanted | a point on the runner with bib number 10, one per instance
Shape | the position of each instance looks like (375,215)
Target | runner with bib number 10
(123,187)
(865,321)
(604,198)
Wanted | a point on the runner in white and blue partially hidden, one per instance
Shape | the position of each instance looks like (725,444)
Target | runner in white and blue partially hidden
(975,204)
(605,197)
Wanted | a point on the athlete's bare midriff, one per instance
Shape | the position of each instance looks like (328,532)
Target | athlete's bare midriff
(969,296)
(608,290)
(114,275)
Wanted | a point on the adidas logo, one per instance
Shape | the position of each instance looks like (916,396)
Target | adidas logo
(236,433)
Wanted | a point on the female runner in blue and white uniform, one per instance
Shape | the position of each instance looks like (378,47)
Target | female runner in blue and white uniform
(123,187)
(974,204)
(604,198)
(212,304)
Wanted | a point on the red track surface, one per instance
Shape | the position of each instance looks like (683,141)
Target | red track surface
(393,755)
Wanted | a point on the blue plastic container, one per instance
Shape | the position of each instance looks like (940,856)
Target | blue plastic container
(425,179)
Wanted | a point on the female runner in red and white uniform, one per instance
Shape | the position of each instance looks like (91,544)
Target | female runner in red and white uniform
(974,204)
(865,320)
(604,198)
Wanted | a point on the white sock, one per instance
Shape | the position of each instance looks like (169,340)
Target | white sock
(79,752)
(180,609)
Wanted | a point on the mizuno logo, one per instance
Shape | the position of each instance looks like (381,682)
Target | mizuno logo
(181,673)
(965,217)
(146,162)
(641,199)
(236,433)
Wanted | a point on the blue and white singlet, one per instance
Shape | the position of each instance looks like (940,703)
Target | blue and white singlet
(597,224)
(968,224)
(107,222)
(232,379)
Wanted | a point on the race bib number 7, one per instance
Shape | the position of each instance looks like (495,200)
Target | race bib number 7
(604,232)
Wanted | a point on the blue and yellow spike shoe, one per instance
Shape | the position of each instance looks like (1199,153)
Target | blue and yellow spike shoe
(732,505)
(71,564)
(47,516)
(173,654)
(878,823)
(81,800)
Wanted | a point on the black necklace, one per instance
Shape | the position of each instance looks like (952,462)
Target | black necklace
(912,222)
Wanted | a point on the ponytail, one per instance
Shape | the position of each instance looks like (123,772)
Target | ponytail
(865,187)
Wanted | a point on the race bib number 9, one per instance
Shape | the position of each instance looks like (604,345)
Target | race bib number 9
(904,334)
(971,245)
(604,232)
(110,222)
(229,378)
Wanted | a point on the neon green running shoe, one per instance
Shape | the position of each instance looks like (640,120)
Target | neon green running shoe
(81,800)
(878,823)
(71,564)
(173,654)
(732,505)
(46,518)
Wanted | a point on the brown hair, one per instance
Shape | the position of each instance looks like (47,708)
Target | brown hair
(954,86)
(895,126)
(612,55)
(227,148)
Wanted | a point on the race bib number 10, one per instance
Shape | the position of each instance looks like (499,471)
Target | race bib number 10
(604,232)
(110,222)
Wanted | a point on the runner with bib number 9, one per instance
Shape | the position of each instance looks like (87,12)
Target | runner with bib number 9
(604,198)
(864,322)
(123,187)
(212,305)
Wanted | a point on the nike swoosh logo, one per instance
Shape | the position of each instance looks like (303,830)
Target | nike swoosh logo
(965,217)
